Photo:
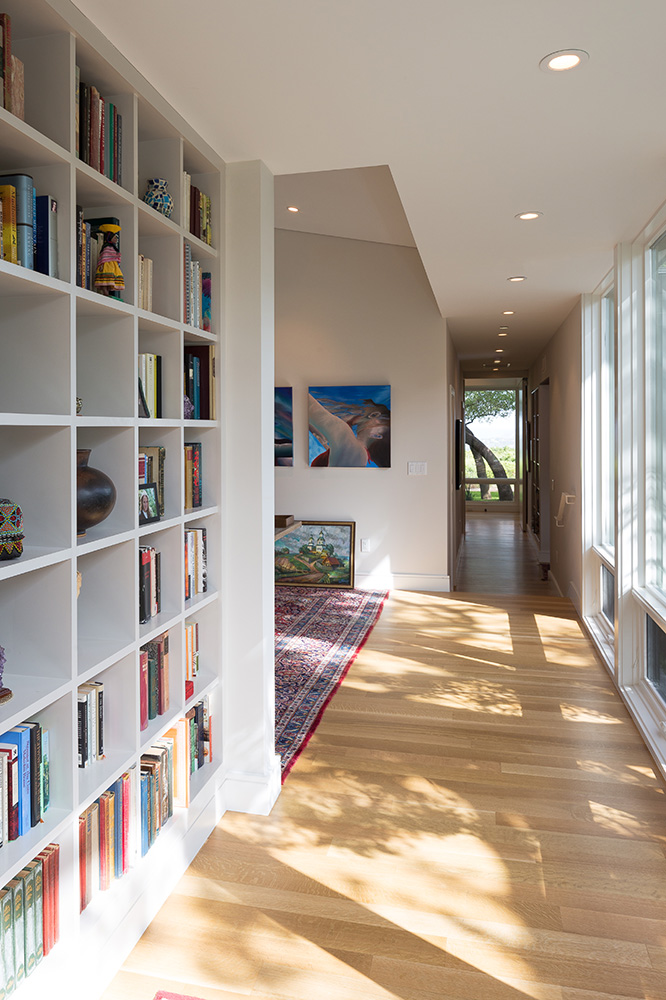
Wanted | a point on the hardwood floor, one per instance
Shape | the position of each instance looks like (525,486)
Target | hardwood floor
(476,818)
(498,558)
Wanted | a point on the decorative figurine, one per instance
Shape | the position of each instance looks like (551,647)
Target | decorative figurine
(109,278)
(11,530)
(5,693)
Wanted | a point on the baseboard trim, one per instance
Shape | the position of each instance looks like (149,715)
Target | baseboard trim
(244,791)
(403,581)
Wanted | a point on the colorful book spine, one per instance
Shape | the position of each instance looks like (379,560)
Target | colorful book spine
(9,227)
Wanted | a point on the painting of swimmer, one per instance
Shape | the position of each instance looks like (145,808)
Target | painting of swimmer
(284,426)
(350,426)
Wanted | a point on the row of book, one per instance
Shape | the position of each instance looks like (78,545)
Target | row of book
(193,475)
(191,653)
(28,225)
(196,292)
(153,679)
(157,789)
(90,721)
(200,380)
(150,386)
(24,779)
(151,470)
(12,72)
(29,918)
(89,243)
(107,838)
(99,131)
(150,579)
(193,747)
(145,276)
(196,560)
(197,208)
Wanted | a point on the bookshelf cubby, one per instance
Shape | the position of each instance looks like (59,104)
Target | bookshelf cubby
(61,342)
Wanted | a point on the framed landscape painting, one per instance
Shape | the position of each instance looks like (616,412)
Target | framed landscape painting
(317,554)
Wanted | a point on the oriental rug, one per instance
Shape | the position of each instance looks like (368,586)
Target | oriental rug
(172,996)
(318,634)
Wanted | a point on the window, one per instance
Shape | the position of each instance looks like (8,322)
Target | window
(608,595)
(655,368)
(492,444)
(656,656)
(606,526)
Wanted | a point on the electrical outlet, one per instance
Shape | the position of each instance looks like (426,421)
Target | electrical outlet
(365,545)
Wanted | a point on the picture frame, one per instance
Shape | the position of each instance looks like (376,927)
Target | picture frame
(317,554)
(149,504)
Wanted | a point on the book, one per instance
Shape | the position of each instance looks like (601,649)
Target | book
(7,952)
(10,753)
(46,235)
(17,88)
(36,866)
(35,731)
(156,457)
(46,774)
(24,185)
(21,737)
(27,876)
(15,886)
(6,25)
(9,227)
(143,689)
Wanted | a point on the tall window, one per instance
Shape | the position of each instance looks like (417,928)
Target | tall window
(655,362)
(607,423)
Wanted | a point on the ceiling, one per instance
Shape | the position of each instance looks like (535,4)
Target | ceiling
(445,97)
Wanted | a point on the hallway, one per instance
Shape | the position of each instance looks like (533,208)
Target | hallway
(498,557)
(476,818)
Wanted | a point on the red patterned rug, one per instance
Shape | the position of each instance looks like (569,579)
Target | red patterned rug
(318,633)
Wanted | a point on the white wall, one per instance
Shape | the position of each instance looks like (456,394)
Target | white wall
(350,312)
(560,363)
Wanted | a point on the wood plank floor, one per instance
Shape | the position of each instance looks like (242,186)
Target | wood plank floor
(476,818)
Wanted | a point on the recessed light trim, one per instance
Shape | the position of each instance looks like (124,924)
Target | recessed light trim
(517,277)
(563,59)
(500,334)
(508,312)
(528,216)
(499,350)
(292,208)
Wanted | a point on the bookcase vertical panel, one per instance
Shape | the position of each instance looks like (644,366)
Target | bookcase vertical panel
(59,342)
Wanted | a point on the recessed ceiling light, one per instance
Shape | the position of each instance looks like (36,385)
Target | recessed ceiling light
(499,350)
(516,277)
(500,334)
(292,208)
(563,59)
(508,312)
(528,216)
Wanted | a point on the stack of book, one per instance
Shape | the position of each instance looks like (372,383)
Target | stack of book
(150,381)
(151,469)
(196,292)
(197,210)
(196,570)
(99,131)
(157,789)
(153,679)
(150,598)
(28,223)
(106,837)
(90,722)
(12,72)
(193,485)
(200,380)
(29,918)
(145,295)
(192,748)
(24,779)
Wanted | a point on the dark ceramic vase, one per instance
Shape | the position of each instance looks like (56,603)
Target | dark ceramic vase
(95,493)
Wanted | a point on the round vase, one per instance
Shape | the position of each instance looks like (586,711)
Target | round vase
(95,493)
(158,197)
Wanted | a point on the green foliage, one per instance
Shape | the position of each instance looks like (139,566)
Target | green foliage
(483,403)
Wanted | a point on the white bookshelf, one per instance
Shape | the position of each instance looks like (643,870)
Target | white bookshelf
(57,342)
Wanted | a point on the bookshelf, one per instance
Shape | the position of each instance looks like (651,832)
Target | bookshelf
(59,342)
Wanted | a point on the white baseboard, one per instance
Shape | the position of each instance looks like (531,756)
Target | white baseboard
(435,583)
(253,793)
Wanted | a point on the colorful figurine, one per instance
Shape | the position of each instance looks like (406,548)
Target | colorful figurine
(109,278)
